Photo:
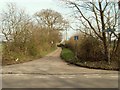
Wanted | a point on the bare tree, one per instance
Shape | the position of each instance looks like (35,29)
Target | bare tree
(26,38)
(98,16)
(51,19)
(16,26)
(13,21)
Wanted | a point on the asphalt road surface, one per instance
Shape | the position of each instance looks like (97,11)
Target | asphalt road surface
(52,72)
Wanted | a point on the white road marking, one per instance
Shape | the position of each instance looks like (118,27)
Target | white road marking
(43,77)
(68,76)
(62,77)
(114,76)
(45,69)
(92,76)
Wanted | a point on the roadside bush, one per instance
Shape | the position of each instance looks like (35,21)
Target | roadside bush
(115,56)
(32,50)
(27,37)
(36,45)
(70,44)
(90,48)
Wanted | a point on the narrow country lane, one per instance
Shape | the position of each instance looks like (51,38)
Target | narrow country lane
(52,72)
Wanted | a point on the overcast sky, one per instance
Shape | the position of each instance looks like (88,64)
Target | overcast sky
(33,6)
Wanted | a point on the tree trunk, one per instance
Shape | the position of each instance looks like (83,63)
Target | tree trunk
(105,49)
(103,33)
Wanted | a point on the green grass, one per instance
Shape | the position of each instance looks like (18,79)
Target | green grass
(44,53)
(67,55)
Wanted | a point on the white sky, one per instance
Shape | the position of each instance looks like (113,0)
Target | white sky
(33,6)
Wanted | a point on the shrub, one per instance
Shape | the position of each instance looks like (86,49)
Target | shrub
(36,45)
(90,49)
(32,50)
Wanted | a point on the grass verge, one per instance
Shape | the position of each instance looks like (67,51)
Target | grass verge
(68,56)
(26,58)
